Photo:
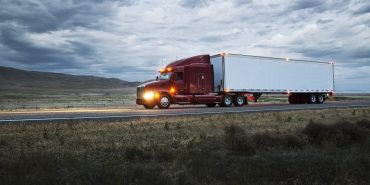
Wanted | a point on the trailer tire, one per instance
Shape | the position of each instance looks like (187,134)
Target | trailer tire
(294,99)
(151,106)
(210,104)
(164,102)
(311,99)
(239,100)
(227,101)
(320,98)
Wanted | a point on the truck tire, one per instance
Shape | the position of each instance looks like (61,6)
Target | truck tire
(227,101)
(239,100)
(149,106)
(164,102)
(303,99)
(320,98)
(311,99)
(211,105)
(292,99)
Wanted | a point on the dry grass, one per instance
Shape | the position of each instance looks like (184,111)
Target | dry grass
(302,147)
(39,99)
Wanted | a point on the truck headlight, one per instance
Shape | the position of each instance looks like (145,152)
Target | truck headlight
(148,95)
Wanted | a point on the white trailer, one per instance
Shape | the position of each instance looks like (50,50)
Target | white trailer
(304,81)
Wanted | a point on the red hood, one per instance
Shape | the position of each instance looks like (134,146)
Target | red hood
(156,85)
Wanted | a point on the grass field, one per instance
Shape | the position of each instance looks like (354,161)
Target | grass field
(301,147)
(38,99)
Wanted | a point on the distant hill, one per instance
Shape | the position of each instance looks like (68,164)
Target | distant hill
(11,78)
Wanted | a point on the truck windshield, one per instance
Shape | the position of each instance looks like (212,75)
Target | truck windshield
(164,76)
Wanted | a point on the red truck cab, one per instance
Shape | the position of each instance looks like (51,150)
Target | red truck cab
(186,81)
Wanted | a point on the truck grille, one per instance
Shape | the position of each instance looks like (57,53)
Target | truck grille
(140,92)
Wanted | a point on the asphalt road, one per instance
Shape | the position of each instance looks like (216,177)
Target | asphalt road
(137,112)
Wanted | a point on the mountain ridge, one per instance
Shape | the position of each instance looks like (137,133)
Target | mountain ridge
(23,79)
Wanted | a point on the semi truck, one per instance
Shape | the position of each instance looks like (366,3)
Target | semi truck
(229,79)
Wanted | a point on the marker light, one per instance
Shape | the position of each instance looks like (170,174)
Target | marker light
(169,69)
(156,95)
(172,90)
(161,70)
(148,95)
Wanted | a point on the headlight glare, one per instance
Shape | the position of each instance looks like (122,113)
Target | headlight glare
(149,95)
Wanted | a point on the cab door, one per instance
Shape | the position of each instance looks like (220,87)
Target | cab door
(179,82)
(201,82)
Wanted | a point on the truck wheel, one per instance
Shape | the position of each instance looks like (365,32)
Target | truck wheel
(292,99)
(320,98)
(149,106)
(164,102)
(239,100)
(211,105)
(227,100)
(312,98)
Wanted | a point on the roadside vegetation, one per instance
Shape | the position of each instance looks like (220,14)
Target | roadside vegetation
(38,99)
(301,147)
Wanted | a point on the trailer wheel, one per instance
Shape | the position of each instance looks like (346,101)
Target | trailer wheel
(239,100)
(149,106)
(312,99)
(320,98)
(211,105)
(292,99)
(227,100)
(164,102)
(303,99)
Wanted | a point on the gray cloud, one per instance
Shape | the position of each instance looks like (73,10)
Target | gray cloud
(130,39)
(362,9)
(304,4)
(193,3)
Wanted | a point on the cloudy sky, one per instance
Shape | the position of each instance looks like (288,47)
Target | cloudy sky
(129,39)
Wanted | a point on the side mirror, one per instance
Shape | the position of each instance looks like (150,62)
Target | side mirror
(173,77)
(156,79)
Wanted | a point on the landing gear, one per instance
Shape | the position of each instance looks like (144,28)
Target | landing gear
(256,96)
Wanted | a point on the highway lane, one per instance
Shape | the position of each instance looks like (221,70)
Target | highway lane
(137,112)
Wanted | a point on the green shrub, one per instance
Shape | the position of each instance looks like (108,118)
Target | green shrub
(340,134)
(267,141)
(347,134)
(135,153)
(237,141)
(319,134)
(364,123)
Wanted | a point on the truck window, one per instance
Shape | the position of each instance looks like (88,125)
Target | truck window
(179,76)
(164,76)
